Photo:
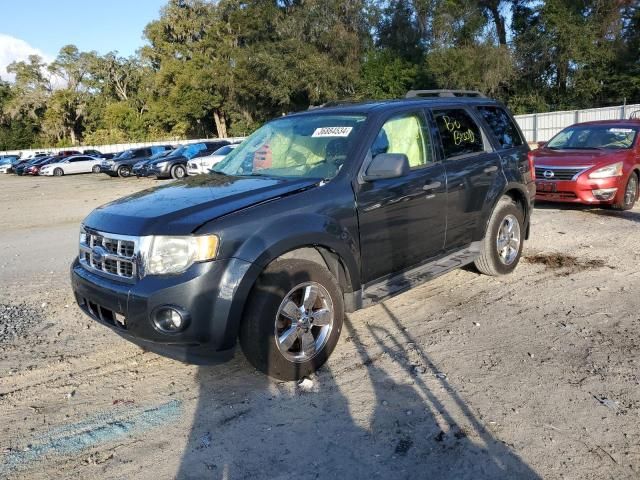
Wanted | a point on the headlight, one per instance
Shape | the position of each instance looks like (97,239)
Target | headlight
(83,235)
(175,254)
(613,170)
(161,164)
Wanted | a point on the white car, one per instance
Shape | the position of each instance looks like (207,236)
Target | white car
(73,164)
(200,165)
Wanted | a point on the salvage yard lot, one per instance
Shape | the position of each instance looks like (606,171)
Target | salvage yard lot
(534,375)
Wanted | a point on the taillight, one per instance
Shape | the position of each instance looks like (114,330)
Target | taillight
(532,167)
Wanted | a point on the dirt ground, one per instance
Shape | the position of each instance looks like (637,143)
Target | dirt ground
(534,375)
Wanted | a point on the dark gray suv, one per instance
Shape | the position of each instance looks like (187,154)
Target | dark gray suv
(314,215)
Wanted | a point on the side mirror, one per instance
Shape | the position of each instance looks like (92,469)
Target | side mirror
(541,144)
(387,165)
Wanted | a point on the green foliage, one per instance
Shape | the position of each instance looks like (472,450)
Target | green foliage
(223,68)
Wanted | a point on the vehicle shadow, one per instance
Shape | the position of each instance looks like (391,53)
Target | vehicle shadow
(630,215)
(365,422)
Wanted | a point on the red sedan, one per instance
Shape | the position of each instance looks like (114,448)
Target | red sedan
(594,163)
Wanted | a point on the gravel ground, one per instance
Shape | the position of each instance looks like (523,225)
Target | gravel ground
(534,375)
(16,320)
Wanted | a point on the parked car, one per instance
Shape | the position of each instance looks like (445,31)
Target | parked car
(122,165)
(67,153)
(34,155)
(175,165)
(7,162)
(93,153)
(140,168)
(71,165)
(315,214)
(15,165)
(593,163)
(201,165)
(32,167)
(35,169)
(20,167)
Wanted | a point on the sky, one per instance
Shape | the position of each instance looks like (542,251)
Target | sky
(42,27)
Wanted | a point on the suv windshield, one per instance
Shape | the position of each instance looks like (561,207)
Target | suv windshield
(594,137)
(313,146)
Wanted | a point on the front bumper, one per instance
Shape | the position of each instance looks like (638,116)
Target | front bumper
(578,191)
(109,170)
(212,293)
(196,169)
(159,172)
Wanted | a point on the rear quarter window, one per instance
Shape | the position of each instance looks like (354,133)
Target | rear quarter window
(502,126)
(459,133)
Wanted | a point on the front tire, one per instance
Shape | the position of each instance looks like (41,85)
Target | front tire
(178,171)
(96,169)
(58,172)
(293,319)
(124,172)
(503,240)
(630,195)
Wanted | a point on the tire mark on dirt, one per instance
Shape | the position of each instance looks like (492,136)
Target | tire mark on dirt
(99,429)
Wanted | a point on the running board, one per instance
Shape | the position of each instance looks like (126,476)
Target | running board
(406,280)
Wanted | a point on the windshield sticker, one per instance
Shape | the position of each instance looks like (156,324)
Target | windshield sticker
(621,130)
(332,132)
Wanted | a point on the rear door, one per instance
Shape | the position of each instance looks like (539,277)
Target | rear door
(402,220)
(472,169)
(509,142)
(84,164)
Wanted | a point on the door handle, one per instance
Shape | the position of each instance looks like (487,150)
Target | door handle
(431,186)
(491,169)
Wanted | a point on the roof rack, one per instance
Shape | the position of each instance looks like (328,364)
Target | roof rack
(336,103)
(443,93)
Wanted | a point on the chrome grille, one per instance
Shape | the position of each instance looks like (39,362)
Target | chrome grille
(559,173)
(109,255)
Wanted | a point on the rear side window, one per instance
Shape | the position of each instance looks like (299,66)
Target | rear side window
(459,133)
(502,126)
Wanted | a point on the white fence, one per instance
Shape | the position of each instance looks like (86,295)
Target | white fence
(118,147)
(540,127)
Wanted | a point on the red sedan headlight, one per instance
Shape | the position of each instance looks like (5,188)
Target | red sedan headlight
(613,170)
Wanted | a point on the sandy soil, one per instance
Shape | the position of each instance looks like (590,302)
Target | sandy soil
(534,375)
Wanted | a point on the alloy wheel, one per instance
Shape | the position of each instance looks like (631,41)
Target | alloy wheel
(304,322)
(508,240)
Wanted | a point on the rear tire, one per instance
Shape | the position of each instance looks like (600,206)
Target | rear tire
(503,240)
(178,171)
(293,319)
(124,171)
(58,172)
(630,195)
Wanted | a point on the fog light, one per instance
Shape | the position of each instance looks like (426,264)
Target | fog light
(604,193)
(170,319)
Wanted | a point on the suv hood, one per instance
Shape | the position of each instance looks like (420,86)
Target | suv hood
(577,158)
(179,208)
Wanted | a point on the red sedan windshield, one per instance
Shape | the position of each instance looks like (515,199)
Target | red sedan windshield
(594,137)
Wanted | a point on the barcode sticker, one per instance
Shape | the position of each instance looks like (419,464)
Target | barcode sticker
(332,132)
(621,130)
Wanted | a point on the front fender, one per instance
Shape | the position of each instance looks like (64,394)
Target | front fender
(303,230)
(318,217)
